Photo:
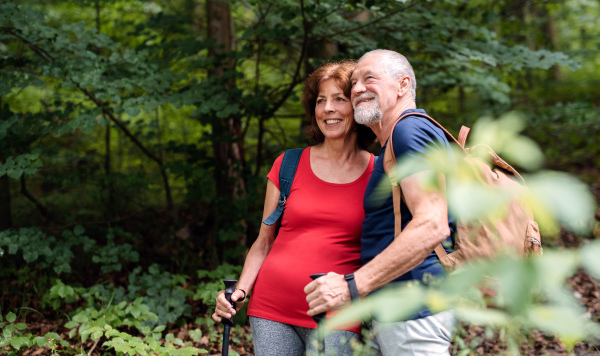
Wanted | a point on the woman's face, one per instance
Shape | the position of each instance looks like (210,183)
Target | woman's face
(333,111)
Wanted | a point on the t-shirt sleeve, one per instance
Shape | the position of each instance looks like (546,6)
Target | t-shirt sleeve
(416,138)
(273,175)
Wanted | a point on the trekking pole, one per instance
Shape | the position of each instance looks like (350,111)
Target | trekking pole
(318,318)
(228,323)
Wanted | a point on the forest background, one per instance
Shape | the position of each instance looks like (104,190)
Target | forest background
(136,135)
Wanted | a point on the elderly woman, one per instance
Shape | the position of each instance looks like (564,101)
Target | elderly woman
(320,228)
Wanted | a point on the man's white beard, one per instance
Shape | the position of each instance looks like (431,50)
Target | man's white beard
(367,113)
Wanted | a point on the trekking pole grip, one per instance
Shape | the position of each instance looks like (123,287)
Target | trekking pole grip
(317,318)
(229,289)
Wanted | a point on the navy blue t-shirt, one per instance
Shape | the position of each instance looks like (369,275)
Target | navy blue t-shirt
(413,136)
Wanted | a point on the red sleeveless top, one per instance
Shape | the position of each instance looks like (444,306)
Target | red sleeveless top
(320,232)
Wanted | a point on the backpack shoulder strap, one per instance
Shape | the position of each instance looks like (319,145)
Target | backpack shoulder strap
(287,171)
(389,166)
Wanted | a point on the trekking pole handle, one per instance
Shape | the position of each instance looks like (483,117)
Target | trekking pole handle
(229,289)
(317,318)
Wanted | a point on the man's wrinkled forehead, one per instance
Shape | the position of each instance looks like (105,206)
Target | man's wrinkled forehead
(365,66)
(362,72)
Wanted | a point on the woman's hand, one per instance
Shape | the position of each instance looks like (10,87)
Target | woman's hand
(224,309)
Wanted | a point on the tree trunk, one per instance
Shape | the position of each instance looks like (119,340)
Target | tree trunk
(228,144)
(5,211)
(551,36)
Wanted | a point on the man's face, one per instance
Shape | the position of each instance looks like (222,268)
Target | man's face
(374,92)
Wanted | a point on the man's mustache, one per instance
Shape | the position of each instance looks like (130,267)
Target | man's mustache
(363,96)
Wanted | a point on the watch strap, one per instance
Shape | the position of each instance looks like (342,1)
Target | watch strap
(242,298)
(352,286)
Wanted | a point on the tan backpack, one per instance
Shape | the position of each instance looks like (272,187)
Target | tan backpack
(517,231)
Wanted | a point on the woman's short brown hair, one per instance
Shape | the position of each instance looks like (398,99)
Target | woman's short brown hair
(340,72)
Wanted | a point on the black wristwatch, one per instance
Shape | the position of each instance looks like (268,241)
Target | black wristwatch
(352,286)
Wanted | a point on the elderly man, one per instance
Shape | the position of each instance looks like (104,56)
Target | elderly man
(383,89)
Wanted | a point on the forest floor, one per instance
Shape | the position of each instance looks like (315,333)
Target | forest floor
(475,338)
(585,288)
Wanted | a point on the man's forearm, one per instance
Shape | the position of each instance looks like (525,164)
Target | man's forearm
(406,252)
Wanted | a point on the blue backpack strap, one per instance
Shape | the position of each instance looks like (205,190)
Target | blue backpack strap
(287,171)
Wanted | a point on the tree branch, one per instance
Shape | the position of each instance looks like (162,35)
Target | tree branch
(360,27)
(38,50)
(93,347)
(134,139)
(42,53)
(288,91)
(119,124)
(295,78)
(43,210)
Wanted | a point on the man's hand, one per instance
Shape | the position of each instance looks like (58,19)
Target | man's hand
(326,293)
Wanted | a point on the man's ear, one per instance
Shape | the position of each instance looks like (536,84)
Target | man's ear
(403,85)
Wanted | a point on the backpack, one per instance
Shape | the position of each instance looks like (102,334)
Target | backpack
(517,230)
(287,171)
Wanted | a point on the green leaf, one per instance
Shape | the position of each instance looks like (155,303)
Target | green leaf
(96,335)
(52,335)
(78,230)
(564,321)
(80,318)
(15,173)
(71,324)
(568,200)
(30,256)
(480,316)
(132,111)
(589,257)
(11,317)
(17,342)
(21,326)
(196,334)
(40,341)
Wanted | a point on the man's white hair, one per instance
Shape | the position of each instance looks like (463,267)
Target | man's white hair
(396,66)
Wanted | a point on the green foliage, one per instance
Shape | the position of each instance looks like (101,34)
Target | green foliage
(60,293)
(206,291)
(36,247)
(27,163)
(163,293)
(96,324)
(13,335)
(568,127)
(110,255)
(46,252)
(89,321)
(529,294)
(107,112)
(125,344)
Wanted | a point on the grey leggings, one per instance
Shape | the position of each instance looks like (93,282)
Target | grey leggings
(271,338)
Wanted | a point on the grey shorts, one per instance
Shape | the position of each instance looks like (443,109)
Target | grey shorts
(429,336)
